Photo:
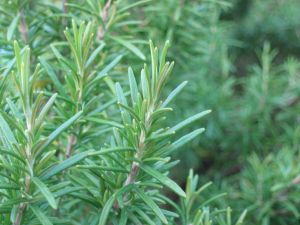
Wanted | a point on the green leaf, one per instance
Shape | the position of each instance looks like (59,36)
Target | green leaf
(135,4)
(133,86)
(143,215)
(212,199)
(120,95)
(18,54)
(94,54)
(76,6)
(5,209)
(64,165)
(8,186)
(10,64)
(111,150)
(13,154)
(45,191)
(60,129)
(108,205)
(12,27)
(14,110)
(163,179)
(130,47)
(152,205)
(145,85)
(189,120)
(164,54)
(122,99)
(44,160)
(110,66)
(154,63)
(124,217)
(41,216)
(104,168)
(51,73)
(6,135)
(173,94)
(105,122)
(63,60)
(202,188)
(106,210)
(45,110)
(241,218)
(184,139)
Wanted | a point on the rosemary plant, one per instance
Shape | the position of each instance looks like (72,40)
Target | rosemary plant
(91,128)
(122,178)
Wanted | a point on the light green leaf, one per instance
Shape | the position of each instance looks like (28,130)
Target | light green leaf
(106,210)
(133,86)
(18,54)
(14,110)
(120,95)
(60,129)
(6,135)
(202,188)
(64,165)
(124,217)
(13,154)
(145,85)
(212,199)
(45,191)
(94,54)
(184,139)
(163,179)
(241,218)
(63,60)
(122,99)
(164,54)
(130,47)
(111,150)
(110,66)
(189,120)
(51,73)
(9,66)
(105,122)
(173,94)
(45,110)
(12,27)
(41,216)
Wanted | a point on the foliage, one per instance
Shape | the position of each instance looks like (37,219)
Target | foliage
(274,181)
(67,155)
(86,140)
(253,94)
(279,27)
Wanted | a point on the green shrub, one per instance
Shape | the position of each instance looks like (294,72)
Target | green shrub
(280,26)
(269,188)
(85,140)
(76,148)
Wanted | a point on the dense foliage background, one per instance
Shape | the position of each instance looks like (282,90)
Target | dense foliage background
(241,60)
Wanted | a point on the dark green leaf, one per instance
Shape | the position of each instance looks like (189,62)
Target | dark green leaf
(163,179)
(152,205)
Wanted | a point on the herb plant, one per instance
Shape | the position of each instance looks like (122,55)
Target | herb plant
(75,147)
(92,127)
